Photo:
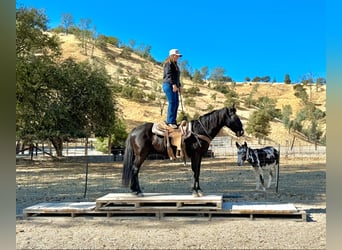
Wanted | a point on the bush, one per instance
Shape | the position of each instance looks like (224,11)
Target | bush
(193,91)
(190,102)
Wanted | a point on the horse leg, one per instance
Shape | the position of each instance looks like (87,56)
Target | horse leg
(262,181)
(195,165)
(270,177)
(135,187)
(261,177)
(258,178)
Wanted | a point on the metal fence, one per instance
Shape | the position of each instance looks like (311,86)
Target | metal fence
(224,146)
(46,179)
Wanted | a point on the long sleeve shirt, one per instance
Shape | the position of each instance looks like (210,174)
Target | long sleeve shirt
(171,74)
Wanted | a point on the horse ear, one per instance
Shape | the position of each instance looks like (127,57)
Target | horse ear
(237,144)
(233,108)
(245,144)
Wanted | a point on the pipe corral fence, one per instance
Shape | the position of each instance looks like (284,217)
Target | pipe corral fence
(77,177)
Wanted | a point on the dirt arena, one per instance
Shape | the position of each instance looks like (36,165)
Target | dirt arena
(302,182)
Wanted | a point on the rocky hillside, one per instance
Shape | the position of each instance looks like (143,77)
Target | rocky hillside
(150,74)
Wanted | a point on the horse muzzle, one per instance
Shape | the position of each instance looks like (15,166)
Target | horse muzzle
(239,133)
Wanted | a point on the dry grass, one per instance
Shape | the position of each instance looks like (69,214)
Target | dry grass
(136,113)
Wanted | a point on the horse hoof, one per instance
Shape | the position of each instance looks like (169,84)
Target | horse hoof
(139,194)
(194,193)
(200,193)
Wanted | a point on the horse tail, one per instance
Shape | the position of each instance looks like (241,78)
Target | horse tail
(127,163)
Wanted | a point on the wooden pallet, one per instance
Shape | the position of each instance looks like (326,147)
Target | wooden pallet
(166,205)
(60,208)
(264,209)
(114,201)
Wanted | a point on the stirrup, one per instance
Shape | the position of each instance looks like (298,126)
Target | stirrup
(172,125)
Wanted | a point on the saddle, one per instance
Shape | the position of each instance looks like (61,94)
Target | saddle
(174,137)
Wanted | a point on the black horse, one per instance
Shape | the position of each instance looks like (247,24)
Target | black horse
(141,142)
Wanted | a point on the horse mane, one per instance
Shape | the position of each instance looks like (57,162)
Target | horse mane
(205,116)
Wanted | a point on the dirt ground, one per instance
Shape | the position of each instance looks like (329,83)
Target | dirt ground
(302,182)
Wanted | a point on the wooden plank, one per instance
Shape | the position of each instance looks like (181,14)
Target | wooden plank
(257,206)
(60,208)
(71,206)
(266,209)
(153,200)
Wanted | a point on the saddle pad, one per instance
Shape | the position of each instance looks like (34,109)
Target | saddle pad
(156,129)
(159,129)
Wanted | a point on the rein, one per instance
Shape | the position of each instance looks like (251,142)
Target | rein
(205,131)
(206,137)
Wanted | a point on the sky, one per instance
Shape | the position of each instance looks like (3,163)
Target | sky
(247,38)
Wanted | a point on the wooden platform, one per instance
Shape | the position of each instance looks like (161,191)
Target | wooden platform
(166,205)
(60,208)
(158,201)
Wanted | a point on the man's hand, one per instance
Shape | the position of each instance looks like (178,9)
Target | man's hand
(174,88)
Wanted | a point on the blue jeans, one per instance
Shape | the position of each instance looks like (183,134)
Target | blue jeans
(172,98)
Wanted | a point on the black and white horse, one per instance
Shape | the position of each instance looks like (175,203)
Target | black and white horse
(262,160)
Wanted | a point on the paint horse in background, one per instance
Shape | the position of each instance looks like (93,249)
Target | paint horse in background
(142,141)
(262,160)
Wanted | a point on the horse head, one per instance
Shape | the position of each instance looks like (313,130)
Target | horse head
(242,153)
(233,121)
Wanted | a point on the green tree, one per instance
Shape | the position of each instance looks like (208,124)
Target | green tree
(185,68)
(197,77)
(269,106)
(33,78)
(266,78)
(102,43)
(145,51)
(87,36)
(249,99)
(313,132)
(258,124)
(287,79)
(126,52)
(217,75)
(67,21)
(132,44)
(232,98)
(56,101)
(204,72)
(300,92)
(256,79)
(35,55)
(319,82)
(297,123)
(287,112)
(307,78)
(31,38)
(68,100)
(117,138)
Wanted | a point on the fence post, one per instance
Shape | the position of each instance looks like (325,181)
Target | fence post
(277,170)
(86,177)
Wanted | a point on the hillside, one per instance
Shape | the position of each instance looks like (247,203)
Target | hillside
(148,73)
